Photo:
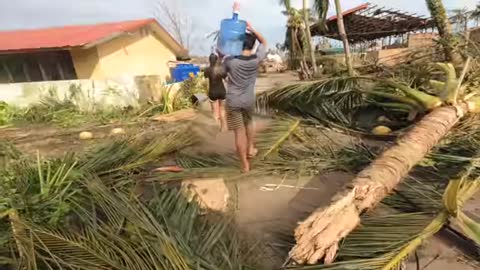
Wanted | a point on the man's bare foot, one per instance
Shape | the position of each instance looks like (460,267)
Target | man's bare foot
(245,167)
(253,152)
(224,127)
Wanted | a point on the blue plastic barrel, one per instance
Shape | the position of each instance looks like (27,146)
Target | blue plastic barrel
(232,36)
(183,71)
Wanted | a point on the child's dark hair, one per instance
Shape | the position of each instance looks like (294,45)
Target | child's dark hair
(249,42)
(215,65)
(213,59)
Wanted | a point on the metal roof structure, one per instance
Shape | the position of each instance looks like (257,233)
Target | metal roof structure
(67,37)
(369,22)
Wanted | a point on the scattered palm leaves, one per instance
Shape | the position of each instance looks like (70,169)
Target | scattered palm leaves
(135,152)
(40,190)
(123,233)
(53,217)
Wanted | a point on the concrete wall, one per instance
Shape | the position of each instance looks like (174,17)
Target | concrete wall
(475,34)
(421,40)
(390,57)
(120,92)
(134,54)
(87,63)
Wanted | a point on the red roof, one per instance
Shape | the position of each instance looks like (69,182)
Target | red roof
(350,11)
(66,36)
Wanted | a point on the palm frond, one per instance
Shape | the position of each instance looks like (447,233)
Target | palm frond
(277,132)
(321,7)
(286,3)
(456,194)
(190,161)
(330,101)
(132,153)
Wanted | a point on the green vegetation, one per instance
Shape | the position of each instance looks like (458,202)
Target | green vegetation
(76,109)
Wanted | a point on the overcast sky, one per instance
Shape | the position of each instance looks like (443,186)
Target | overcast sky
(265,15)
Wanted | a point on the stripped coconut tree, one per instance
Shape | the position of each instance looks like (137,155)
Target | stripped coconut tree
(297,40)
(319,235)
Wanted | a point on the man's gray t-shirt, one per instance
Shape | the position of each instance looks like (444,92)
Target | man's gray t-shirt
(242,76)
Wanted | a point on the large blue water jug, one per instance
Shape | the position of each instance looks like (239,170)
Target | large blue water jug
(232,36)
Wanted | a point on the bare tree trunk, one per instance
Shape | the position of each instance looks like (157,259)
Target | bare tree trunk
(306,17)
(318,236)
(343,36)
(303,62)
(293,50)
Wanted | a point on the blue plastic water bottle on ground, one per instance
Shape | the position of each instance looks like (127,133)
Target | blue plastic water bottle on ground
(232,35)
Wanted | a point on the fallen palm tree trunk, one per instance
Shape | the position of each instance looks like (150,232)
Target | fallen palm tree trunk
(319,235)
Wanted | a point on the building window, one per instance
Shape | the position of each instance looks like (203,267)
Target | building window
(38,66)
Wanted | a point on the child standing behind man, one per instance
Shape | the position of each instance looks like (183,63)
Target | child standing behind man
(242,75)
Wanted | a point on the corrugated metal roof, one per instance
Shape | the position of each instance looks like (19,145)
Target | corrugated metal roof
(65,36)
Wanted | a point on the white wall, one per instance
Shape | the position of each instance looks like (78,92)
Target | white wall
(121,92)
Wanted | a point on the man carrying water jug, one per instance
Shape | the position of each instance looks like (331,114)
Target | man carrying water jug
(242,75)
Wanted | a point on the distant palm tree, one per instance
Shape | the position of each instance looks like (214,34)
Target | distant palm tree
(322,7)
(475,15)
(296,40)
(461,17)
(299,21)
(294,37)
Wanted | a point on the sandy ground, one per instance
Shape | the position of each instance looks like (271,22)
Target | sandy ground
(265,83)
(269,207)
